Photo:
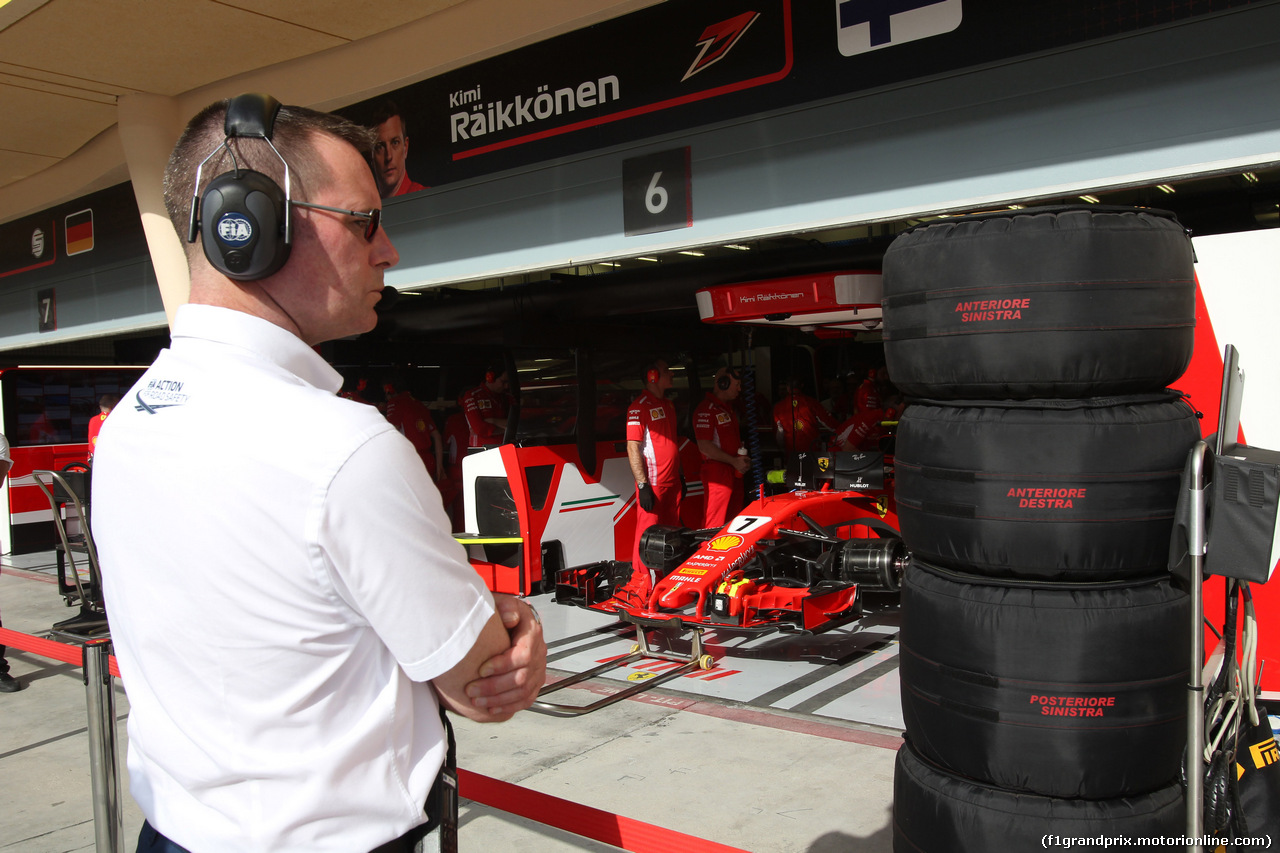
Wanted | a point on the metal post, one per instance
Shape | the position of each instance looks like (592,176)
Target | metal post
(108,829)
(1195,689)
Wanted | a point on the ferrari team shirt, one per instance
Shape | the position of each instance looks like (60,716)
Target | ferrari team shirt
(407,185)
(797,418)
(282,583)
(480,403)
(714,421)
(868,396)
(860,432)
(413,419)
(95,427)
(652,422)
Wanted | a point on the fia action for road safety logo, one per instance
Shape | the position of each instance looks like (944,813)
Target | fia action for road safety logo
(866,25)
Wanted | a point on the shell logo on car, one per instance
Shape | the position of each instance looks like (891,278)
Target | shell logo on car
(725,543)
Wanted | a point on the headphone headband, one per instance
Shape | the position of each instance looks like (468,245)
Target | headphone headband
(251,115)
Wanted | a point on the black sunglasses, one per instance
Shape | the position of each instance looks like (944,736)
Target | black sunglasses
(373,218)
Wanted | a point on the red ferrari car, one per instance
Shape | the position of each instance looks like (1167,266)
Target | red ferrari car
(795,561)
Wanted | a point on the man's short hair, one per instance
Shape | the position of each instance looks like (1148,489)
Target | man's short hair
(384,110)
(293,134)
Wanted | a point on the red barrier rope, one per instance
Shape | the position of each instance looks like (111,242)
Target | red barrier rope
(64,652)
(624,832)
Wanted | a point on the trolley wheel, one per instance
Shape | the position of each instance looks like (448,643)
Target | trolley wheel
(635,647)
(706,662)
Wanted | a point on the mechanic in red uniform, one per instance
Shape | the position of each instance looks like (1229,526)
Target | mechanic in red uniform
(415,423)
(715,428)
(654,453)
(486,408)
(867,398)
(106,403)
(863,429)
(799,420)
(860,432)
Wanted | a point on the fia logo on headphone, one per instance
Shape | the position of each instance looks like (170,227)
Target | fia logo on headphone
(234,229)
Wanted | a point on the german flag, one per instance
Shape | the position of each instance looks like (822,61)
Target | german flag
(79,232)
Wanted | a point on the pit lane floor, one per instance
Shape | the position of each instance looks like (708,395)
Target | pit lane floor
(786,746)
(848,673)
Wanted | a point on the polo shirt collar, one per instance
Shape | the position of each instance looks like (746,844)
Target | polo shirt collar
(260,337)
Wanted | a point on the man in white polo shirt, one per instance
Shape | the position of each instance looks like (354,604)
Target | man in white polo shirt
(286,601)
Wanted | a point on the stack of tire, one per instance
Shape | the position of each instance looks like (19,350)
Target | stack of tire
(1043,649)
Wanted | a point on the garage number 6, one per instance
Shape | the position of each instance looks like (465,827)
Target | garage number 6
(655,197)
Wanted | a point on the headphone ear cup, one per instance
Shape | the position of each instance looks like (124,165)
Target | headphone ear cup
(723,381)
(651,378)
(489,376)
(242,225)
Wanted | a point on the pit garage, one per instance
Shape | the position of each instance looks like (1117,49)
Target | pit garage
(798,144)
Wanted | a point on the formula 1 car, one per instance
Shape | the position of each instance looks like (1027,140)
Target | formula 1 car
(797,561)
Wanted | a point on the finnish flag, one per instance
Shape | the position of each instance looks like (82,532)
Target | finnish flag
(867,25)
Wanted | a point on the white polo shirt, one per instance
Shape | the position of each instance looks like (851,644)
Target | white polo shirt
(281,581)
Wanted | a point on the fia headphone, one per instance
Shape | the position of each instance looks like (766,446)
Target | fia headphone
(652,375)
(490,374)
(243,217)
(725,377)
